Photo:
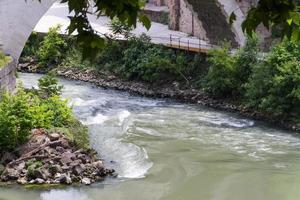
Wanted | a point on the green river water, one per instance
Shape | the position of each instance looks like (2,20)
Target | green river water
(163,150)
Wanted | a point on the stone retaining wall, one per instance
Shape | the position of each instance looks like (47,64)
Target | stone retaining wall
(8,77)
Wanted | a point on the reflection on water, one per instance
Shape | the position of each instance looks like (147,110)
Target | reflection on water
(169,151)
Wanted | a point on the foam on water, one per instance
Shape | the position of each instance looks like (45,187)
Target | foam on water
(98,119)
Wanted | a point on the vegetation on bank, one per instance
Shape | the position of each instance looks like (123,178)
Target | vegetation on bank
(268,84)
(4,59)
(26,110)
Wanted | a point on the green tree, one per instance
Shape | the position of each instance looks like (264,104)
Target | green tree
(274,86)
(52,47)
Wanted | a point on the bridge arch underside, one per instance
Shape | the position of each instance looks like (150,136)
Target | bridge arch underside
(18,19)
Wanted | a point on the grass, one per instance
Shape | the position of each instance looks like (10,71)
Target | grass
(4,59)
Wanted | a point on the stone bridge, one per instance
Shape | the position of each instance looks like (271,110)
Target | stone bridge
(207,19)
(18,19)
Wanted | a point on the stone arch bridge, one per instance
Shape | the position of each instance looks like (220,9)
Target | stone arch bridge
(19,17)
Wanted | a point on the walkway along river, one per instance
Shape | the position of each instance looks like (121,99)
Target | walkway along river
(164,150)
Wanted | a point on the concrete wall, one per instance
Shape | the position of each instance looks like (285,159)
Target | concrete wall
(8,77)
(17,20)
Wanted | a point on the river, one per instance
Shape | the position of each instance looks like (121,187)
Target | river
(165,150)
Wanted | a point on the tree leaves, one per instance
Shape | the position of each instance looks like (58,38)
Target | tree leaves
(127,11)
(282,14)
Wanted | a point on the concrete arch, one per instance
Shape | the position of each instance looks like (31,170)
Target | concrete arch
(17,20)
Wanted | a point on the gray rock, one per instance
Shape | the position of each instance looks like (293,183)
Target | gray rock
(57,175)
(67,158)
(77,170)
(65,168)
(54,136)
(10,174)
(39,181)
(86,181)
(65,179)
(60,149)
(22,181)
(75,163)
(21,166)
(98,165)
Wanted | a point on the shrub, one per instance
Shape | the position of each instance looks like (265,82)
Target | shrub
(16,119)
(48,86)
(246,59)
(145,61)
(220,80)
(228,73)
(275,84)
(52,48)
(111,56)
(61,113)
(74,58)
(32,166)
(24,111)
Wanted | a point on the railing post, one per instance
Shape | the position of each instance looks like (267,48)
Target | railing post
(188,45)
(170,40)
(199,45)
(179,43)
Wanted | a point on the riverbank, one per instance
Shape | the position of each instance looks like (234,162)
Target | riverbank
(172,90)
(50,158)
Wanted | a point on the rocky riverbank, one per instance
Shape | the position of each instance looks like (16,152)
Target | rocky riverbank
(49,158)
(172,90)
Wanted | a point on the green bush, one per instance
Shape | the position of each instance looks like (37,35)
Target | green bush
(24,111)
(148,62)
(32,166)
(220,80)
(275,84)
(246,59)
(229,73)
(48,86)
(17,117)
(111,56)
(52,49)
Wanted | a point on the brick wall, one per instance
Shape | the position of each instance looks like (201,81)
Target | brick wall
(8,77)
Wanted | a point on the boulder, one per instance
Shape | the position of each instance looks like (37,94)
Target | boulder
(67,158)
(39,181)
(21,166)
(98,164)
(54,137)
(65,179)
(86,181)
(22,181)
(77,170)
(10,174)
